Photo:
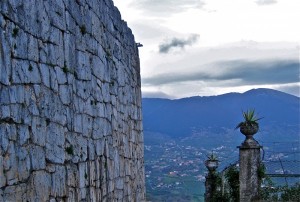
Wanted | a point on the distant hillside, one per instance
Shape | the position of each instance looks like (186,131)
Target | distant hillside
(180,117)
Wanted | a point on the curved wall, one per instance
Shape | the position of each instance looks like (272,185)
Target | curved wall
(70,103)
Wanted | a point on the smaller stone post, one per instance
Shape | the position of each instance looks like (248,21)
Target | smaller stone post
(249,163)
(210,179)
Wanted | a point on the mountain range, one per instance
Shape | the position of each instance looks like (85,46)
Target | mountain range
(182,117)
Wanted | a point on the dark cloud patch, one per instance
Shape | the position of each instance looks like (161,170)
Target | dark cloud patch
(261,72)
(178,43)
(239,72)
(166,7)
(265,2)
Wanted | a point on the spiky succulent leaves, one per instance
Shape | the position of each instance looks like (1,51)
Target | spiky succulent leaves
(249,119)
(212,157)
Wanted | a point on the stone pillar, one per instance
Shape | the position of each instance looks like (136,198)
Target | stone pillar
(249,162)
(210,186)
(211,178)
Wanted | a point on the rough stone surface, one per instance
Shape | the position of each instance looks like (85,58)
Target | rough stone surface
(70,103)
(249,161)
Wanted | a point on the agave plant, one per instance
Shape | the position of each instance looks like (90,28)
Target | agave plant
(250,124)
(212,162)
(212,157)
(250,119)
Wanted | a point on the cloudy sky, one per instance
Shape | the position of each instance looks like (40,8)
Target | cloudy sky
(212,47)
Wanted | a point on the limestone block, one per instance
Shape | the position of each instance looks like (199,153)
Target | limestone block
(54,49)
(72,196)
(116,164)
(93,194)
(29,103)
(122,165)
(69,46)
(79,147)
(10,165)
(45,74)
(5,62)
(8,132)
(75,12)
(83,175)
(42,20)
(87,125)
(38,158)
(14,193)
(119,182)
(83,89)
(23,134)
(39,186)
(39,128)
(70,24)
(83,68)
(100,147)
(110,171)
(4,95)
(78,123)
(105,92)
(2,176)
(89,107)
(52,200)
(119,195)
(72,176)
(92,173)
(82,194)
(25,72)
(58,182)
(23,164)
(50,106)
(16,94)
(65,94)
(101,128)
(91,44)
(55,143)
(19,42)
(56,10)
(60,75)
(32,49)
(91,150)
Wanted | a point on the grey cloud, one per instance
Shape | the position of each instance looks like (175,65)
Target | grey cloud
(265,2)
(238,72)
(261,72)
(166,7)
(293,89)
(178,43)
(156,94)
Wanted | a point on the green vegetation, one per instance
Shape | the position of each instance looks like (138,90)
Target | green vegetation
(232,177)
(250,119)
(261,171)
(212,157)
(108,54)
(50,64)
(65,68)
(83,29)
(15,32)
(30,68)
(70,150)
(47,121)
(280,193)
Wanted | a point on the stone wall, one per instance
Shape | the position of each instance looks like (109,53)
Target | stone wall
(70,103)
